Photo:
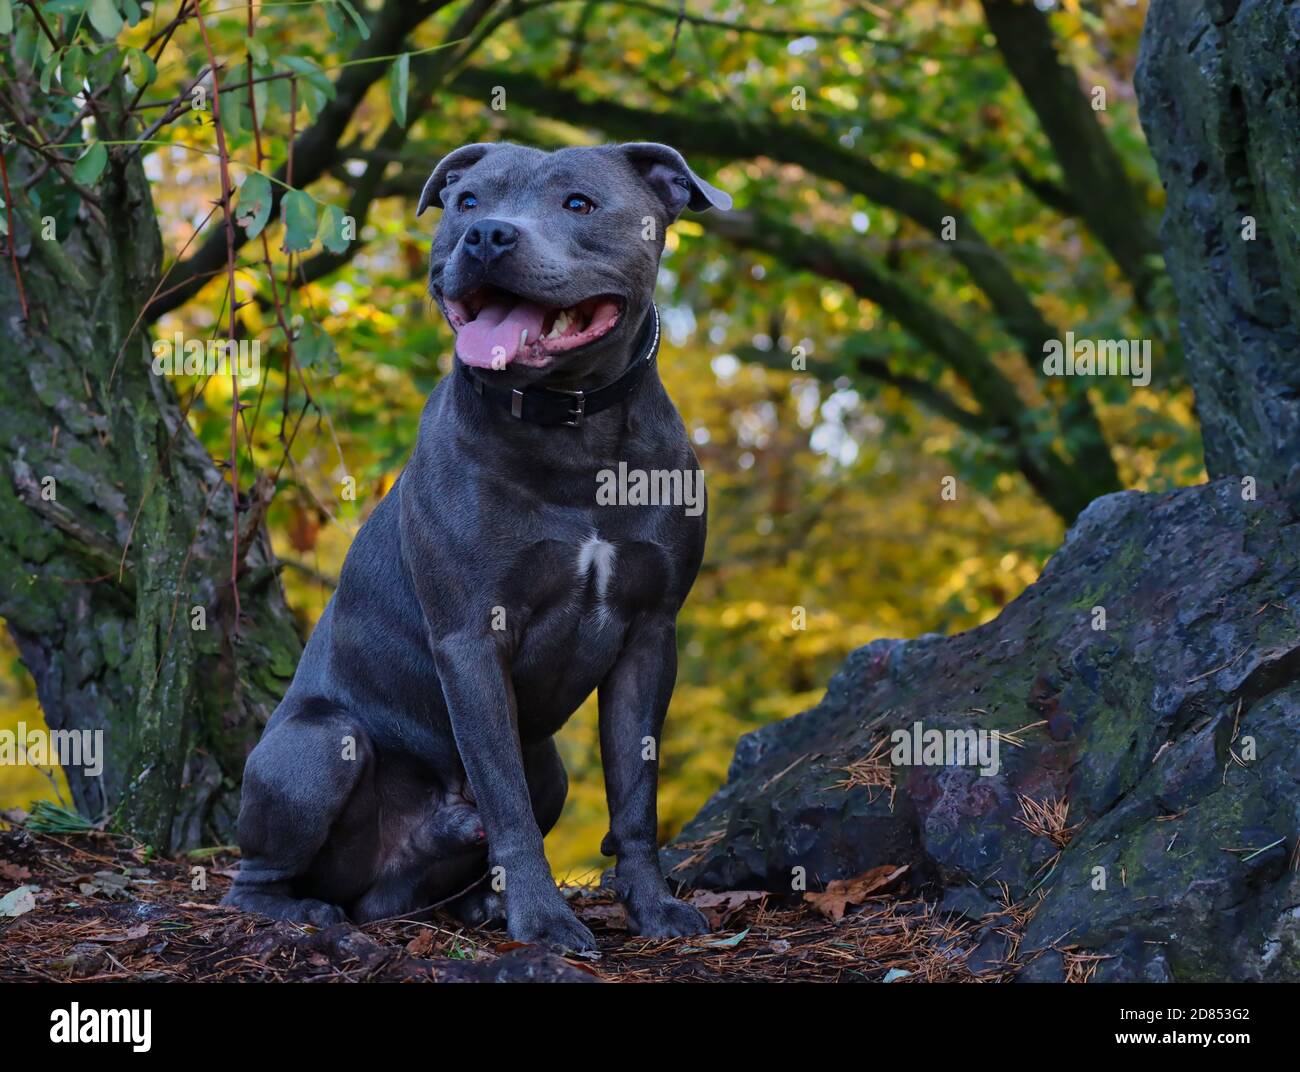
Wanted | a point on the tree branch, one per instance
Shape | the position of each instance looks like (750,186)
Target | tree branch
(1065,486)
(1110,202)
(919,390)
(946,339)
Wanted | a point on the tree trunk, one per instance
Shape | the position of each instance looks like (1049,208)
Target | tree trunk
(115,524)
(1220,105)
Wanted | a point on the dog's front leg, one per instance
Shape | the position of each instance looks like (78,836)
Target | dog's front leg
(481,703)
(633,702)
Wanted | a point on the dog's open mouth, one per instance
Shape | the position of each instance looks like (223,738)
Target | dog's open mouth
(495,327)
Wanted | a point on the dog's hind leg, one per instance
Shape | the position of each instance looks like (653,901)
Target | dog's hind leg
(548,782)
(548,786)
(297,782)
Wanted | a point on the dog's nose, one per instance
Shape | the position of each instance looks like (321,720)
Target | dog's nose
(489,239)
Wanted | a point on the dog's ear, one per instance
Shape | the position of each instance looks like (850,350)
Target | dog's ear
(666,172)
(449,169)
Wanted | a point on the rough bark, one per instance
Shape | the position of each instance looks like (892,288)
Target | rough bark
(1219,92)
(100,568)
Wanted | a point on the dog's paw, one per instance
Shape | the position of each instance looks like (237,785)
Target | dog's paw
(550,923)
(664,916)
(320,914)
(481,906)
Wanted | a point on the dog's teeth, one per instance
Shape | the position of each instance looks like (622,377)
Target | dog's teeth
(523,338)
(560,326)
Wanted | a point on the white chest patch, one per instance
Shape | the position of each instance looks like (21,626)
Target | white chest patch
(598,556)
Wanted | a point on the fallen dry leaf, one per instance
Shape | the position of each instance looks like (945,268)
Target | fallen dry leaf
(843,892)
(13,873)
(422,944)
(18,902)
(719,906)
(613,916)
(139,931)
(106,883)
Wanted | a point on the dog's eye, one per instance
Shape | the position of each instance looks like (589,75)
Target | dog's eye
(579,204)
(466,201)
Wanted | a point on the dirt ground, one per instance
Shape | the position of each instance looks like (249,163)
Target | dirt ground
(96,907)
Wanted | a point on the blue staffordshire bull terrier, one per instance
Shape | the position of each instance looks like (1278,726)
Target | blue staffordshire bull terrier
(489,593)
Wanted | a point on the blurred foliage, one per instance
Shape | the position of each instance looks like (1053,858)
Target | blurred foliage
(824,492)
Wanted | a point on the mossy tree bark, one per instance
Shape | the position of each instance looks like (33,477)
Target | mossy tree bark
(115,524)
(1220,104)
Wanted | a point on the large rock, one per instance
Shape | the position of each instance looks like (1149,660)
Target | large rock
(1183,864)
(1219,89)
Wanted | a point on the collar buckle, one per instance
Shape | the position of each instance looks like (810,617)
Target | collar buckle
(579,407)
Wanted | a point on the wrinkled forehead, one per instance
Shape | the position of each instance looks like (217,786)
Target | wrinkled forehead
(517,174)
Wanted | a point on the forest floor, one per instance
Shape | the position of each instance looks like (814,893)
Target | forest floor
(95,906)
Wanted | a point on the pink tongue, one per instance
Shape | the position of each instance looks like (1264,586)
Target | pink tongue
(492,338)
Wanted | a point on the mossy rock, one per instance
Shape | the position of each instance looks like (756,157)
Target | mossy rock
(1171,733)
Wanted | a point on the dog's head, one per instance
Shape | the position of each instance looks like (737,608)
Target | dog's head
(547,260)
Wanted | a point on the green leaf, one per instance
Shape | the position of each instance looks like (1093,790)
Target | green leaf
(314,348)
(24,37)
(261,98)
(362,28)
(298,211)
(88,169)
(141,68)
(335,19)
(103,66)
(47,74)
(6,17)
(52,196)
(44,49)
(729,943)
(232,101)
(314,87)
(72,68)
(398,87)
(254,207)
(104,17)
(331,233)
(311,72)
